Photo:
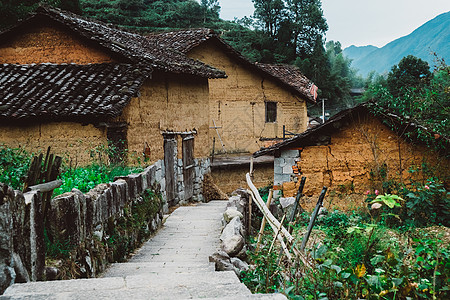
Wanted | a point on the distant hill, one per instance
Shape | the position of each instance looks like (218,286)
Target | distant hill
(431,36)
(355,52)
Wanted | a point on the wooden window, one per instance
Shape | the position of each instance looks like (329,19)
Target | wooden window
(271,112)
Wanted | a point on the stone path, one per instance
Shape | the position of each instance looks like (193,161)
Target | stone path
(172,265)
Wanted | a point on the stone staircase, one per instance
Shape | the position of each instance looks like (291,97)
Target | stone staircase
(171,265)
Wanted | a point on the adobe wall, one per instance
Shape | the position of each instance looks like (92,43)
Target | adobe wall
(231,178)
(72,141)
(168,102)
(45,44)
(355,161)
(237,104)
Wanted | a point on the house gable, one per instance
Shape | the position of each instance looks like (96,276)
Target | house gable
(238,103)
(42,40)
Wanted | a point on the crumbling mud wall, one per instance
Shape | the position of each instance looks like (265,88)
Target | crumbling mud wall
(360,157)
(237,104)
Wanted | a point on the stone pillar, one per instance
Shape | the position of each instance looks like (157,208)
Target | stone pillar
(37,244)
(7,274)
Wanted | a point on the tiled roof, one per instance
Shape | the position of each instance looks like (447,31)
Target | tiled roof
(291,75)
(185,40)
(319,135)
(182,40)
(133,46)
(67,92)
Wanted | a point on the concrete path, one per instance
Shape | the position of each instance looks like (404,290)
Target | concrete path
(172,265)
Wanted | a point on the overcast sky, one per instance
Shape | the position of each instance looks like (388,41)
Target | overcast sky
(361,22)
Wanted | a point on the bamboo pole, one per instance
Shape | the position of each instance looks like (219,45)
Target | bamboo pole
(273,222)
(263,222)
(277,233)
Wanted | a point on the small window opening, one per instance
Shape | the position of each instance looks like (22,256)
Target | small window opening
(271,112)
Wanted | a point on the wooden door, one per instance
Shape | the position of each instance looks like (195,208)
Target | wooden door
(188,166)
(170,146)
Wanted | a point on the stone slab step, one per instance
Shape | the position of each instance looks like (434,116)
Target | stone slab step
(149,286)
(125,269)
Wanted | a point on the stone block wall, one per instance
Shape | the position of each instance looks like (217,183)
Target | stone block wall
(284,171)
(97,227)
(22,252)
(202,167)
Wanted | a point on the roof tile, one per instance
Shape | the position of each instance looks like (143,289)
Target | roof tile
(27,92)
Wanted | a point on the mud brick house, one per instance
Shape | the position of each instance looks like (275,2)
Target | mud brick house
(354,151)
(249,108)
(75,84)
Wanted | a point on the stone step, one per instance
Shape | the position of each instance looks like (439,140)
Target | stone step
(148,286)
(125,269)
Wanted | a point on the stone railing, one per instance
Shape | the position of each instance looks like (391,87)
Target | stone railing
(91,229)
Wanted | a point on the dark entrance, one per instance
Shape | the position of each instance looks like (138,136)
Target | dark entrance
(188,166)
(170,156)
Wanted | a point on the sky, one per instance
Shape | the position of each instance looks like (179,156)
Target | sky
(361,22)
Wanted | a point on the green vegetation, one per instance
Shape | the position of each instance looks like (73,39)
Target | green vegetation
(413,93)
(14,164)
(361,254)
(133,228)
(86,178)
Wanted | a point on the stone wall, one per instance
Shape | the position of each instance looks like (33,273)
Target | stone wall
(283,171)
(95,228)
(237,104)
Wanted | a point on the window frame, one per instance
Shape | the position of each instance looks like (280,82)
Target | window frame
(273,110)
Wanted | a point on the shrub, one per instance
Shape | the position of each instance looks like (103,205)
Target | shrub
(14,164)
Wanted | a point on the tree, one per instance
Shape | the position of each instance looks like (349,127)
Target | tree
(410,73)
(270,14)
(13,10)
(306,23)
(211,9)
(295,25)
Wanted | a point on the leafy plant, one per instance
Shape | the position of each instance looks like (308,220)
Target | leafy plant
(14,164)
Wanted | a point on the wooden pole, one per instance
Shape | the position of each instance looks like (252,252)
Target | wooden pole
(297,202)
(45,187)
(217,131)
(263,222)
(213,149)
(277,233)
(250,200)
(313,218)
(272,221)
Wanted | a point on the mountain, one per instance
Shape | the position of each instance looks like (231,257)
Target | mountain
(433,36)
(355,52)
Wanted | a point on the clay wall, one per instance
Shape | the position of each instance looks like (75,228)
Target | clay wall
(168,102)
(359,158)
(72,141)
(237,104)
(231,178)
(50,44)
